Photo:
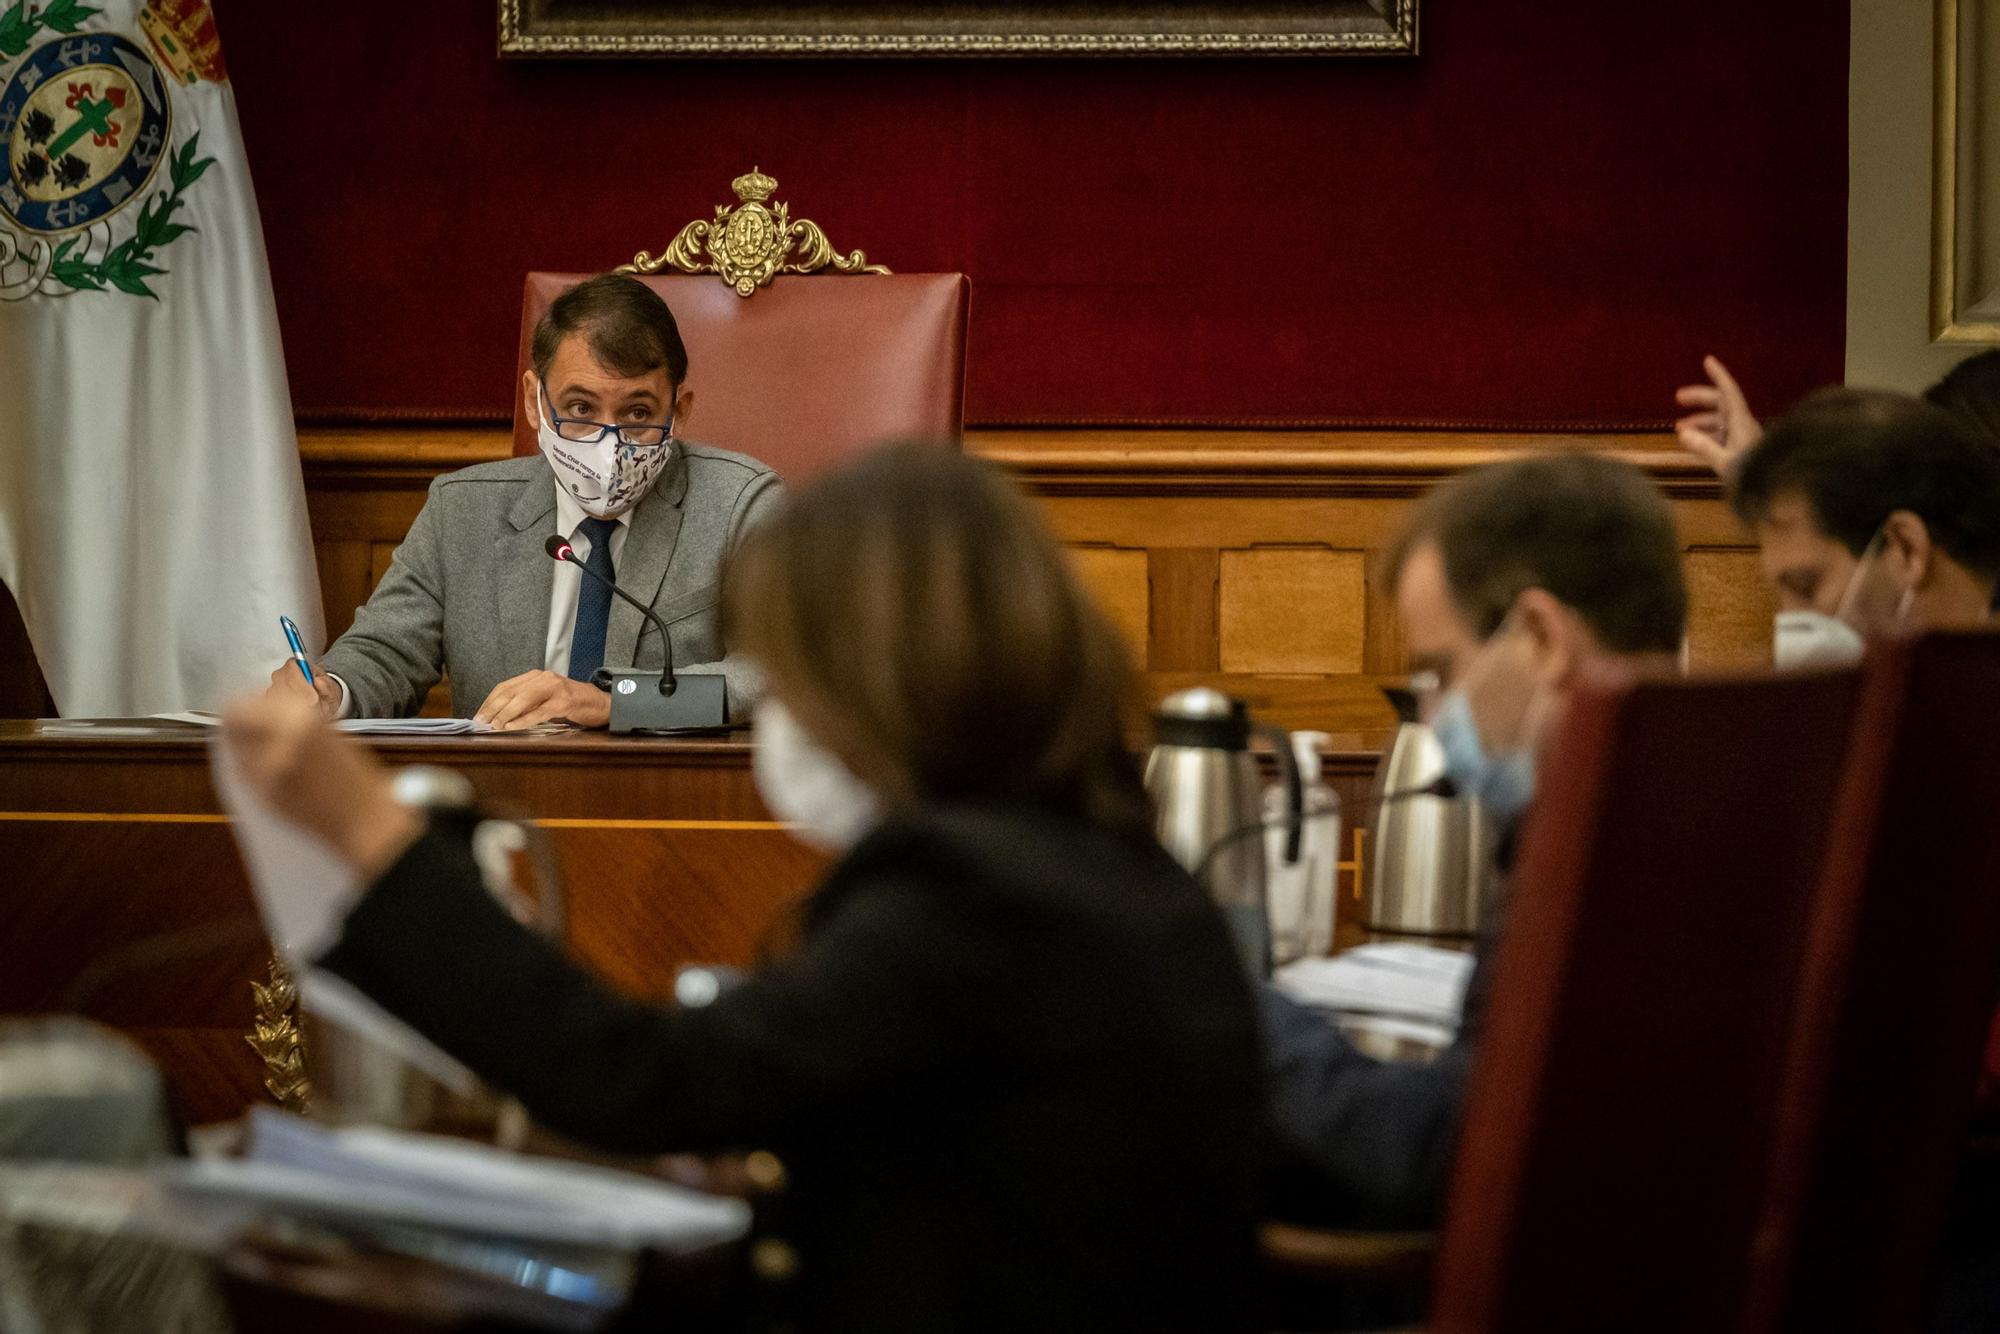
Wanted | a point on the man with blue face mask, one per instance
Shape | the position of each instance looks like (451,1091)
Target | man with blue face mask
(1511,583)
(472,593)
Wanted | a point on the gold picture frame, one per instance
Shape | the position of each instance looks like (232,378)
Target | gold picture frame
(613,28)
(1963,221)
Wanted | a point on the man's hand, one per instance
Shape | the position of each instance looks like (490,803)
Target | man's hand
(324,693)
(318,779)
(1721,428)
(533,698)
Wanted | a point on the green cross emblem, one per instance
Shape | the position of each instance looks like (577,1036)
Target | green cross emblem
(93,116)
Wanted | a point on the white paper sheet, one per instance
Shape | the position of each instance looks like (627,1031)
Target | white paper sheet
(304,893)
(412,726)
(469,1187)
(1417,982)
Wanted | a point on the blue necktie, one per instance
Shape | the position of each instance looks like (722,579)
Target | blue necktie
(593,601)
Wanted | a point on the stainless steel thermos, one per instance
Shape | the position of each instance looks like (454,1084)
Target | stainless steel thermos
(1430,853)
(1207,792)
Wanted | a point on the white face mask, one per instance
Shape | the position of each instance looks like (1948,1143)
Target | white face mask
(808,787)
(606,477)
(1813,639)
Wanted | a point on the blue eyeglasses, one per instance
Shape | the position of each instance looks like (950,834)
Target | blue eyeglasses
(646,435)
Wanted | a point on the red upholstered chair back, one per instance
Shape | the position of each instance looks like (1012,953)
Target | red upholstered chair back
(1898,990)
(1617,1127)
(809,371)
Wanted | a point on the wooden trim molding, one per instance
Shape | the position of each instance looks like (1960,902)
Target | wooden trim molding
(1306,463)
(1106,462)
(368,457)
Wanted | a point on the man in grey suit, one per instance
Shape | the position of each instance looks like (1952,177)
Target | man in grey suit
(472,592)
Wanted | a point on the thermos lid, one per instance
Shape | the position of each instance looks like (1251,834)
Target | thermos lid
(1202,716)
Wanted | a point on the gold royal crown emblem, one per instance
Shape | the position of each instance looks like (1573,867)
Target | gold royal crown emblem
(183,36)
(750,242)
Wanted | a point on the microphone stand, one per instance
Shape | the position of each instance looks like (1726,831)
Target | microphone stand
(694,702)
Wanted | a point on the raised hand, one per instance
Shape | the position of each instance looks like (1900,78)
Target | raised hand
(1720,429)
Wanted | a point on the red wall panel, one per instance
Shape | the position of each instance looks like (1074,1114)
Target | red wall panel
(1543,220)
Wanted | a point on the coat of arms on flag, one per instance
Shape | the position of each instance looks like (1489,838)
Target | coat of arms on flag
(152,515)
(86,123)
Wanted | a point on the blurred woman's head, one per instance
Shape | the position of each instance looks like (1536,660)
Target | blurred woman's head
(915,619)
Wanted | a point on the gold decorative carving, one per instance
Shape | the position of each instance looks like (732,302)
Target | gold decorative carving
(276,1038)
(751,242)
(528,29)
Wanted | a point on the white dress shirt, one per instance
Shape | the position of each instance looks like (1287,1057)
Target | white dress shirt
(562,589)
(562,592)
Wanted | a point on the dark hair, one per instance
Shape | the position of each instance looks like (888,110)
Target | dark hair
(1594,533)
(916,617)
(630,329)
(1858,455)
(1970,391)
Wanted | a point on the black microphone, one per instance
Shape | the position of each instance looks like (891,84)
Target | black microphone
(559,548)
(1441,786)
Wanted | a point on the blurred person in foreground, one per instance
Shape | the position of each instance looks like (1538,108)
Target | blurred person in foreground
(1011,1063)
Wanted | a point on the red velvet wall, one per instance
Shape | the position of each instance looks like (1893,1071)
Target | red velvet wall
(1544,219)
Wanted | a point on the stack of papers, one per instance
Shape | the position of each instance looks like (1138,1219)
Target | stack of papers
(412,726)
(566,1229)
(1420,983)
(158,725)
(462,1186)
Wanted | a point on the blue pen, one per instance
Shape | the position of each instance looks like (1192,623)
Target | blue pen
(298,647)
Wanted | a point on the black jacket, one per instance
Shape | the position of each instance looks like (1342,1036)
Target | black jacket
(1012,1066)
(1362,1143)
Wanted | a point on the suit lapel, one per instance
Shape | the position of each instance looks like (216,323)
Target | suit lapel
(526,576)
(642,565)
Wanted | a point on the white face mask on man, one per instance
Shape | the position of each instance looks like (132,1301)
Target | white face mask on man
(806,785)
(606,477)
(1813,639)
(1808,638)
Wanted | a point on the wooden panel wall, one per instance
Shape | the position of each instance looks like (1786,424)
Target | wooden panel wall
(1250,560)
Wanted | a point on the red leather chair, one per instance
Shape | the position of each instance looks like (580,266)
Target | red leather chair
(1896,995)
(807,371)
(1617,1131)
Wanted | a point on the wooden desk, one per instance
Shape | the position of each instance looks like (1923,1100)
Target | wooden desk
(668,854)
(107,843)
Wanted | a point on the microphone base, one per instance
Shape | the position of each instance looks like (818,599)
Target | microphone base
(699,704)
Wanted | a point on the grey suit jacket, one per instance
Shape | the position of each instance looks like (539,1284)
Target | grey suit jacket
(467,593)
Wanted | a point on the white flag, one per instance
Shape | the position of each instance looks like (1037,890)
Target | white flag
(152,516)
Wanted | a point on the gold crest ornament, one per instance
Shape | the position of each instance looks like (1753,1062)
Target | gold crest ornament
(750,242)
(183,36)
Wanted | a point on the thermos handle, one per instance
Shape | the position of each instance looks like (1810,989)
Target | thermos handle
(1295,789)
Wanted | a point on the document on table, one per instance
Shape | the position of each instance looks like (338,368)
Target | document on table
(452,1183)
(412,726)
(1416,982)
(566,1231)
(157,724)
